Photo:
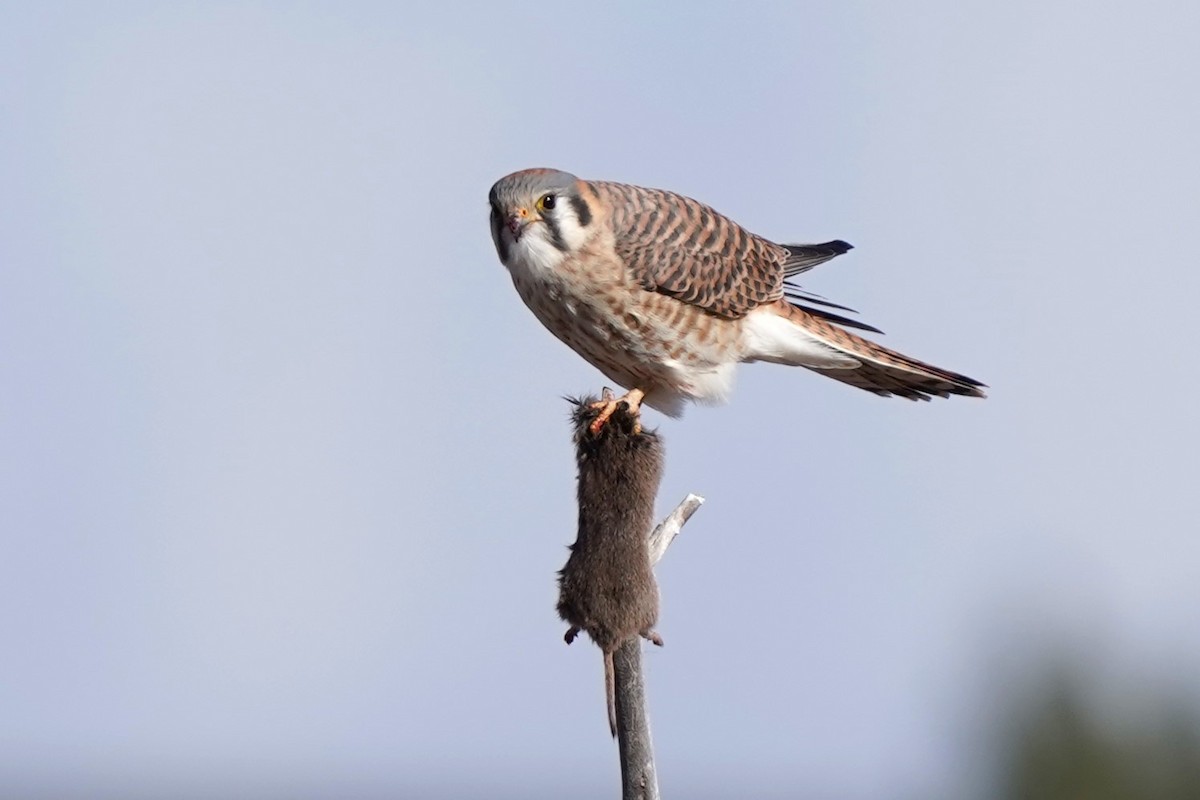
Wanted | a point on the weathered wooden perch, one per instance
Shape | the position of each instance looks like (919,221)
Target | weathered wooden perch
(607,587)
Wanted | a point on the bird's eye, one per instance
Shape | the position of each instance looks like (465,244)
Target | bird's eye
(546,202)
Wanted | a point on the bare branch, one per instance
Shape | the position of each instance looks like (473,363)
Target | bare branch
(669,528)
(639,779)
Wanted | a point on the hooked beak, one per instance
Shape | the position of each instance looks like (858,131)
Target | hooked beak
(517,222)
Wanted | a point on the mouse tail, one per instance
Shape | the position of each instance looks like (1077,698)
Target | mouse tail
(610,693)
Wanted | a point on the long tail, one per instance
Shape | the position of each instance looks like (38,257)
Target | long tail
(873,367)
(610,693)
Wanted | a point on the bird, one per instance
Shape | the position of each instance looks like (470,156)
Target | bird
(666,296)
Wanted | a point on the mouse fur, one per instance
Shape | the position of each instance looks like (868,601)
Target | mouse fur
(607,587)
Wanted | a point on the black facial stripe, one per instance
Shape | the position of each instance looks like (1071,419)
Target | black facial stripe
(556,237)
(581,210)
(498,237)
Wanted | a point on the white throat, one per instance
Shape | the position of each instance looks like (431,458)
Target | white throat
(533,255)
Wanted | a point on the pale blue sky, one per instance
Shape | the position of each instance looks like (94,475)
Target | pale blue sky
(286,473)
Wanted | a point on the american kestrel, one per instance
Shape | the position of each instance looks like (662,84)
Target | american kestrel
(666,296)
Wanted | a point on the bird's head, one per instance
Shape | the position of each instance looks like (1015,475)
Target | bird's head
(539,216)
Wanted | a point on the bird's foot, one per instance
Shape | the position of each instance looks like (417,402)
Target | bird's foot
(608,404)
(571,633)
(653,637)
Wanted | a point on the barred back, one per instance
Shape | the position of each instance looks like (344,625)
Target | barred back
(680,247)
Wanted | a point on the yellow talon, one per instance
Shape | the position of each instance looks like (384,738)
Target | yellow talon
(608,405)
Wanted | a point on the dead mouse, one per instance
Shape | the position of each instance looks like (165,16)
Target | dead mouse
(607,587)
